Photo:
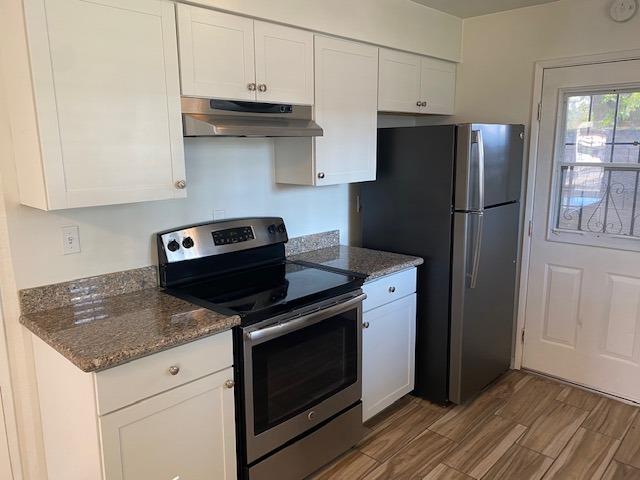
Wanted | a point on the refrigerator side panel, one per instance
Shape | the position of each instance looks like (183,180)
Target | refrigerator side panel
(408,210)
(503,157)
(485,337)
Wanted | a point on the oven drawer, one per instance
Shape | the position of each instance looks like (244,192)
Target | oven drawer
(148,376)
(389,288)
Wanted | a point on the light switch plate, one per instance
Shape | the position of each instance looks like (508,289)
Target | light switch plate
(70,239)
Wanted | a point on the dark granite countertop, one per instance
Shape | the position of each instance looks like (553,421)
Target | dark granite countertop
(96,332)
(373,263)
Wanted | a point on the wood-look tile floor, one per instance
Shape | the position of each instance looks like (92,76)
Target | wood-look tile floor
(523,427)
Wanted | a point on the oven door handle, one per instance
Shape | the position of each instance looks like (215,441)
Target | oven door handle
(280,329)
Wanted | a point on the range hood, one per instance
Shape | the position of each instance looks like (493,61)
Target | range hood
(221,118)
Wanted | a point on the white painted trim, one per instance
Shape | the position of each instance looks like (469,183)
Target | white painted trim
(534,125)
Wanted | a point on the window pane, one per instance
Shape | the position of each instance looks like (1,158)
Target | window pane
(627,141)
(599,200)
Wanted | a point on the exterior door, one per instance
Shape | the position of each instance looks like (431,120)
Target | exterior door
(187,433)
(284,64)
(583,299)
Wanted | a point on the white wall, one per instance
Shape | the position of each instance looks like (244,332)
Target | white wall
(234,175)
(495,80)
(400,24)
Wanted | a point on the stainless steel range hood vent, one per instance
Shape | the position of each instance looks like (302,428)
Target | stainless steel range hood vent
(221,118)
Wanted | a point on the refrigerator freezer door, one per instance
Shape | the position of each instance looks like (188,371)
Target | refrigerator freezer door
(488,165)
(483,298)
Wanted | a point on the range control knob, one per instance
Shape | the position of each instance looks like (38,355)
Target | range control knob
(271,229)
(173,246)
(187,242)
(282,228)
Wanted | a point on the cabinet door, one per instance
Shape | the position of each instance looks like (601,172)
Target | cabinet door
(437,86)
(346,108)
(187,433)
(399,82)
(284,64)
(388,354)
(216,54)
(108,100)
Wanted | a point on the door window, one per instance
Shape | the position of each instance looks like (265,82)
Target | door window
(597,174)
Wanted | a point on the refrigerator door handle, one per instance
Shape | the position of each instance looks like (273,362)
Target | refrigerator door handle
(477,249)
(476,137)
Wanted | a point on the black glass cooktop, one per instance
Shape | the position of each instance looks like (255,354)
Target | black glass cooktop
(260,292)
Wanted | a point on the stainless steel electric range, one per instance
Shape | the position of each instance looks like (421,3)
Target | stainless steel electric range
(298,350)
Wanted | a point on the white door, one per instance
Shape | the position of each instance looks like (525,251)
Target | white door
(437,86)
(347,109)
(114,132)
(388,354)
(216,54)
(399,82)
(5,460)
(284,64)
(187,433)
(583,298)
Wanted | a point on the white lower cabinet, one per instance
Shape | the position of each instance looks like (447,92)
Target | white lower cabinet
(388,353)
(184,434)
(166,416)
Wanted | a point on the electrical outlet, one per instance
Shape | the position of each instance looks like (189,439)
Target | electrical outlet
(70,239)
(218,214)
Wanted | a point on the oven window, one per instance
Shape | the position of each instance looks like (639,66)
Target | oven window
(300,369)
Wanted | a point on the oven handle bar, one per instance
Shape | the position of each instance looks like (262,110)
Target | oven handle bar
(300,322)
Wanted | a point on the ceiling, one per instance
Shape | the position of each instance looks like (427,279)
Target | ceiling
(473,8)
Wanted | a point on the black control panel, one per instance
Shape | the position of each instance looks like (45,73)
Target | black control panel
(232,235)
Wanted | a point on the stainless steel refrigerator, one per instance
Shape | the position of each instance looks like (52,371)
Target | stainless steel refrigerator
(451,194)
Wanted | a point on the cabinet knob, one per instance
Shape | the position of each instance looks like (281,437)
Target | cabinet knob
(262,87)
(180,184)
(365,325)
(174,369)
(392,289)
(251,87)
(229,384)
(321,175)
(423,104)
(418,103)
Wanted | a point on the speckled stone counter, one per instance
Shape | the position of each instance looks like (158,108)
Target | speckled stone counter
(372,263)
(96,329)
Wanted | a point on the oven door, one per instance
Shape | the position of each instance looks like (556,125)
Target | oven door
(300,372)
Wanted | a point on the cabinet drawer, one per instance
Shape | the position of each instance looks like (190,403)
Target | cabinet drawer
(147,376)
(389,288)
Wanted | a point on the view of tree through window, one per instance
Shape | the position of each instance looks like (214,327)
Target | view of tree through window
(600,164)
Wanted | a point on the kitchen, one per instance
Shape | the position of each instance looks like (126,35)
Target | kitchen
(500,60)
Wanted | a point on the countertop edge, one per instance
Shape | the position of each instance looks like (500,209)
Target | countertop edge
(103,362)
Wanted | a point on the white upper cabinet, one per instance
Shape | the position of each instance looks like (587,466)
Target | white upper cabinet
(399,82)
(346,98)
(106,104)
(437,86)
(284,64)
(414,84)
(216,54)
(235,58)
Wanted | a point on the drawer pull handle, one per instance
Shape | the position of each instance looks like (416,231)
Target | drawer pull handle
(229,384)
(392,289)
(174,369)
(365,325)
